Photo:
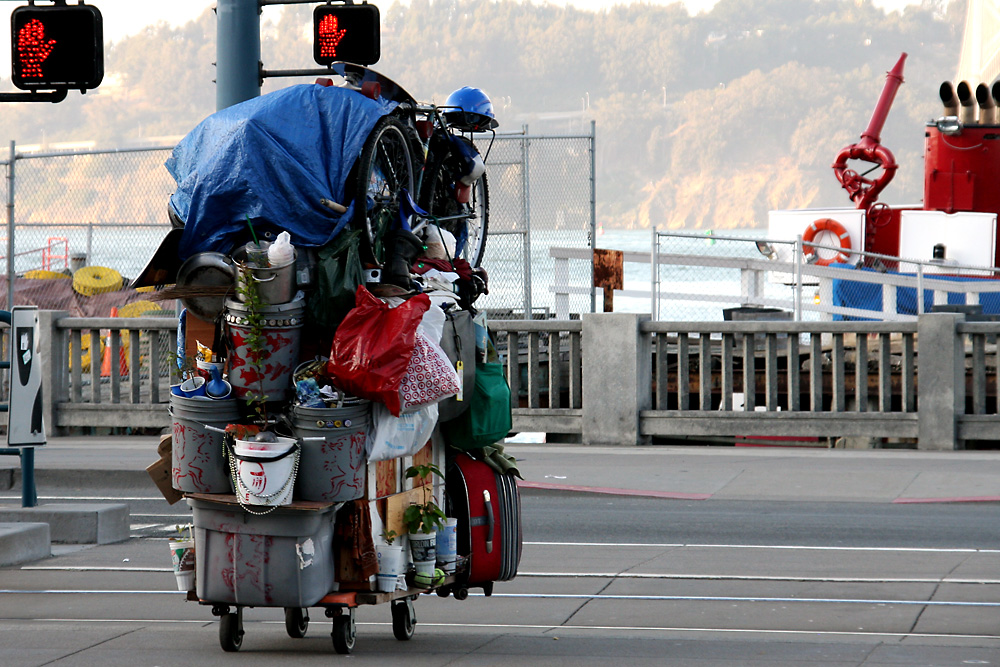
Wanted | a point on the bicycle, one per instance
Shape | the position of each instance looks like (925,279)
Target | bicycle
(422,150)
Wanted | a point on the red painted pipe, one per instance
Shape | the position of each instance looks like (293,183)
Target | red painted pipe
(893,80)
(863,191)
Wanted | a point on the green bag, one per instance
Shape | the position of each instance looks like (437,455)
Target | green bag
(338,274)
(488,418)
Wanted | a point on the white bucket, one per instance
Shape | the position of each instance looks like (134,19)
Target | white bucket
(422,551)
(264,472)
(447,545)
(390,566)
(183,559)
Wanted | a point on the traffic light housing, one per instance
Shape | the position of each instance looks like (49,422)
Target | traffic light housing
(346,32)
(57,47)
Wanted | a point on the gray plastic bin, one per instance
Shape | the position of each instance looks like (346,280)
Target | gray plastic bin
(281,559)
(333,469)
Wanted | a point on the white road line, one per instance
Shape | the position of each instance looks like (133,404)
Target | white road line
(728,598)
(88,498)
(92,568)
(604,575)
(544,628)
(584,596)
(750,577)
(803,547)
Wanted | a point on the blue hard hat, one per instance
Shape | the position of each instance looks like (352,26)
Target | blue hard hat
(471,110)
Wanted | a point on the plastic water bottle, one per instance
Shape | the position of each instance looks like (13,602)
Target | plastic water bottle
(281,251)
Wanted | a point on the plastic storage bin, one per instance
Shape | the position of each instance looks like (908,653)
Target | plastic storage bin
(281,559)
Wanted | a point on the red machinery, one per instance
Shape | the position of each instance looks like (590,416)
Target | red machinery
(961,162)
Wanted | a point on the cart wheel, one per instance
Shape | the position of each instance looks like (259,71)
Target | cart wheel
(344,633)
(404,620)
(296,622)
(461,593)
(231,631)
(443,592)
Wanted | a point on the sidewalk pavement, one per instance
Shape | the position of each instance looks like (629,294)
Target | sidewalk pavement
(683,473)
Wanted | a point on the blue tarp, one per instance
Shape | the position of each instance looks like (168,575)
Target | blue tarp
(271,158)
(868,296)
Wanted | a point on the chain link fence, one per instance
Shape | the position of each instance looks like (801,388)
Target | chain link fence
(711,277)
(708,286)
(109,209)
(99,208)
(541,195)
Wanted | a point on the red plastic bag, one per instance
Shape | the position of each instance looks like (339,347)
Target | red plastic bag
(373,346)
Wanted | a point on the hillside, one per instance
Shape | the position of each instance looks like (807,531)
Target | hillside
(704,121)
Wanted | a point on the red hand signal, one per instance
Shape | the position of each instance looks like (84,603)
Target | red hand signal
(329,36)
(33,48)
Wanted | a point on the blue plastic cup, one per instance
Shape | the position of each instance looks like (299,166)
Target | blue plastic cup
(193,387)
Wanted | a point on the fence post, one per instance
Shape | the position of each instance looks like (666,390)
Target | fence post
(654,278)
(11,271)
(798,277)
(941,378)
(526,218)
(617,378)
(54,364)
(593,206)
(560,276)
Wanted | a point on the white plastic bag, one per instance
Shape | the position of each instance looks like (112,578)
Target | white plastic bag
(281,252)
(392,437)
(432,323)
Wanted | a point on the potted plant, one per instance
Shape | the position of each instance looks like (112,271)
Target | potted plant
(255,442)
(390,562)
(255,340)
(423,519)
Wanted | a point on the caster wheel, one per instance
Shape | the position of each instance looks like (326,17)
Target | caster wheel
(344,633)
(443,592)
(461,593)
(296,622)
(231,631)
(404,620)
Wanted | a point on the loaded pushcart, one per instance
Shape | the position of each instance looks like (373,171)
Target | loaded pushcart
(338,399)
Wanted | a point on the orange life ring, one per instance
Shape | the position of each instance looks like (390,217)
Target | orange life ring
(834,227)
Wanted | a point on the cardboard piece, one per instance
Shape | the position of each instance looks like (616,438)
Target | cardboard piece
(160,473)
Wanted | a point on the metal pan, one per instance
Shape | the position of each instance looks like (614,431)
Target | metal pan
(198,275)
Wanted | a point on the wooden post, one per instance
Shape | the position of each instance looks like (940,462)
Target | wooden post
(609,271)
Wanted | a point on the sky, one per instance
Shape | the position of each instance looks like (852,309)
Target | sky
(125,17)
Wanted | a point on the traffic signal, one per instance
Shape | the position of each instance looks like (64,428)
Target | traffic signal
(57,46)
(346,32)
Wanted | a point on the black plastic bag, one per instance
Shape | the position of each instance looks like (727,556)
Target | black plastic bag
(338,274)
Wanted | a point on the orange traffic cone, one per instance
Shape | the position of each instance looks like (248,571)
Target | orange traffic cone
(106,357)
(106,354)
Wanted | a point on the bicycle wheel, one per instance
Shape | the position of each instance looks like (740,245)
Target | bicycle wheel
(384,169)
(469,222)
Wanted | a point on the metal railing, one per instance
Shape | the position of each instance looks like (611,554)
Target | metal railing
(806,380)
(107,372)
(624,379)
(740,275)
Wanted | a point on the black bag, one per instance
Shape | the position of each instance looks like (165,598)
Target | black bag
(459,343)
(338,274)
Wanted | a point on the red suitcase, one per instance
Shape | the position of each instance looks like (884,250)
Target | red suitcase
(488,508)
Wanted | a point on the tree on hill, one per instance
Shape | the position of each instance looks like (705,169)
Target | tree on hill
(706,120)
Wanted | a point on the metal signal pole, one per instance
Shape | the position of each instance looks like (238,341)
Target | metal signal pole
(237,52)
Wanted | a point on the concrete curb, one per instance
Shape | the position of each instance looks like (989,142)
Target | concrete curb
(24,542)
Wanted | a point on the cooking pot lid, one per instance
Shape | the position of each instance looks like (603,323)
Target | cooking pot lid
(198,275)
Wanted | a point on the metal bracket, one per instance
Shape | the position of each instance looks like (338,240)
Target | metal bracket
(54,96)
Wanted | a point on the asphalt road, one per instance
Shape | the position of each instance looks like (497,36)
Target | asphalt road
(602,579)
